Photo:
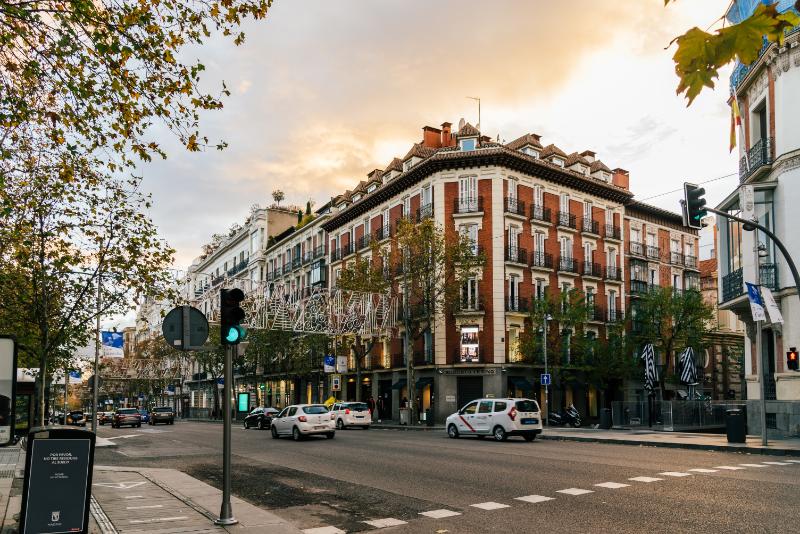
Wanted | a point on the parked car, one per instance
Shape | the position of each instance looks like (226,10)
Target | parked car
(75,418)
(301,420)
(105,417)
(260,418)
(162,414)
(126,416)
(499,418)
(145,415)
(349,414)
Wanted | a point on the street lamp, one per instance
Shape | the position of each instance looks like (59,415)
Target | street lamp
(547,317)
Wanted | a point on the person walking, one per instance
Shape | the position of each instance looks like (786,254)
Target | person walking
(371,405)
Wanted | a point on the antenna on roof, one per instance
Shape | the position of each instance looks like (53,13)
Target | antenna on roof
(461,124)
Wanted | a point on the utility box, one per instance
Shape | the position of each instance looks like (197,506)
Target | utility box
(735,426)
(605,419)
(405,416)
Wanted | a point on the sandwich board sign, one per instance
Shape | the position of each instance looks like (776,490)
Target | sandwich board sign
(58,481)
(8,382)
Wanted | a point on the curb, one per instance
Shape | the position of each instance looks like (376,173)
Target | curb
(405,428)
(672,445)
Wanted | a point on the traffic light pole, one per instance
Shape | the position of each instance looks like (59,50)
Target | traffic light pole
(226,513)
(759,357)
(96,379)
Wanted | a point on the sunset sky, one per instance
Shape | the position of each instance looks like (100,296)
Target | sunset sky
(323,92)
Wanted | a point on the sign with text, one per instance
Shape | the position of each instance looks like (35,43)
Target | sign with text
(341,364)
(58,479)
(756,304)
(8,379)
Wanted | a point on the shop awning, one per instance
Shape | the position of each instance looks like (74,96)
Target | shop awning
(425,381)
(521,383)
(400,384)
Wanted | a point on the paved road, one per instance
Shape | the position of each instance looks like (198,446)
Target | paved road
(364,476)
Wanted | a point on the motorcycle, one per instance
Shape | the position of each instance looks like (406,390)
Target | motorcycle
(570,416)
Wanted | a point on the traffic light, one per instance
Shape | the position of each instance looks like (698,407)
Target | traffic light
(230,316)
(792,359)
(695,205)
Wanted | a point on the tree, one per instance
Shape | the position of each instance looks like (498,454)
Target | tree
(95,75)
(700,54)
(278,196)
(671,319)
(612,361)
(78,243)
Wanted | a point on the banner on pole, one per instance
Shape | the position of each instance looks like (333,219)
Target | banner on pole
(112,344)
(341,364)
(329,366)
(772,307)
(756,304)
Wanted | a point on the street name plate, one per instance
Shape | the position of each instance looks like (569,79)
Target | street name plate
(58,477)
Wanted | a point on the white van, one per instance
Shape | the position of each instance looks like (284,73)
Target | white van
(349,414)
(499,418)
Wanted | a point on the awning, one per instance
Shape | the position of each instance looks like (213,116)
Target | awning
(400,384)
(425,381)
(521,383)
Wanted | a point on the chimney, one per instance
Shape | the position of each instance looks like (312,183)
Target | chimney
(431,137)
(621,179)
(589,155)
(447,139)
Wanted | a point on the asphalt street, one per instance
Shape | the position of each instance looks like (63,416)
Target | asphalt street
(364,479)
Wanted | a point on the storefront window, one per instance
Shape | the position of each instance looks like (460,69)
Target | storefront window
(469,344)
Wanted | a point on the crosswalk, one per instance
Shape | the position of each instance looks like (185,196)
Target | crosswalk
(379,523)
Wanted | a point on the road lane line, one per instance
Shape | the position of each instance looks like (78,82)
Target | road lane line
(776,463)
(133,497)
(440,514)
(387,522)
(612,485)
(491,505)
(753,465)
(645,479)
(534,498)
(729,467)
(145,507)
(675,474)
(794,461)
(575,491)
(158,520)
(700,470)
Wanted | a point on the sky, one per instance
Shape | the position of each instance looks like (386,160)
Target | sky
(323,92)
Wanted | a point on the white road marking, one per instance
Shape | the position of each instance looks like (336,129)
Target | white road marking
(645,479)
(119,485)
(794,461)
(383,523)
(145,507)
(729,467)
(675,474)
(158,520)
(324,530)
(133,497)
(700,470)
(612,485)
(776,463)
(575,491)
(124,436)
(439,514)
(752,465)
(534,498)
(489,505)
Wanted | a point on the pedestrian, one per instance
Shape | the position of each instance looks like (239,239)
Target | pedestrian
(404,402)
(371,404)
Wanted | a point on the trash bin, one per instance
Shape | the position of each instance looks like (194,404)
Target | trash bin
(734,426)
(429,417)
(405,416)
(605,419)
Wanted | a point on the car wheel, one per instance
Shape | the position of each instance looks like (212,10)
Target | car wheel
(172,421)
(245,425)
(339,425)
(499,433)
(530,437)
(330,435)
(366,427)
(452,432)
(261,425)
(296,434)
(274,433)
(576,424)
(139,425)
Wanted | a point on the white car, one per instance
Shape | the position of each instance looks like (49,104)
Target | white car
(300,420)
(499,418)
(348,414)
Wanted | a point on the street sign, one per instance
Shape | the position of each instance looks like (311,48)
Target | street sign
(747,203)
(336,383)
(341,364)
(545,378)
(58,480)
(329,364)
(185,328)
(8,382)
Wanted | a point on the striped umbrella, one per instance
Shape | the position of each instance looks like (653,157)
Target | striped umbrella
(650,371)
(688,367)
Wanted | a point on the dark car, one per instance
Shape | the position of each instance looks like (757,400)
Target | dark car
(126,416)
(162,414)
(75,418)
(260,418)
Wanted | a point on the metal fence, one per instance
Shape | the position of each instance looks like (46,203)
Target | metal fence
(672,416)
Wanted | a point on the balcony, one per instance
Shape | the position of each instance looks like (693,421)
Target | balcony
(594,313)
(614,315)
(592,269)
(636,249)
(568,265)
(676,258)
(514,206)
(690,262)
(653,253)
(760,155)
(516,255)
(566,220)
(319,252)
(297,262)
(472,305)
(363,241)
(287,267)
(307,257)
(425,212)
(733,283)
(468,205)
(590,226)
(613,232)
(639,287)
(613,273)
(383,232)
(541,260)
(346,250)
(540,214)
(517,305)
(476,250)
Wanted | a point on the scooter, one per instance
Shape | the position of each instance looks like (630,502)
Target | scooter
(568,417)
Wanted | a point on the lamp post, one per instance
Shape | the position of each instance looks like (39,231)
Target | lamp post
(547,317)
(761,252)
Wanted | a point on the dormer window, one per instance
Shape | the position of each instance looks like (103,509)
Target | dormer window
(372,188)
(583,169)
(467,144)
(408,164)
(558,161)
(605,176)
(356,198)
(530,151)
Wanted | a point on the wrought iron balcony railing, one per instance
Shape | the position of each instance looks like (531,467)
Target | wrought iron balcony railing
(383,232)
(613,232)
(759,155)
(568,265)
(639,287)
(425,212)
(653,252)
(468,205)
(636,248)
(517,304)
(540,213)
(542,259)
(690,262)
(590,226)
(516,255)
(363,241)
(514,205)
(566,219)
(592,269)
(613,273)
(676,258)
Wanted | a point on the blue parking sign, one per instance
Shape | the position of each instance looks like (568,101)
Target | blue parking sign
(545,379)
